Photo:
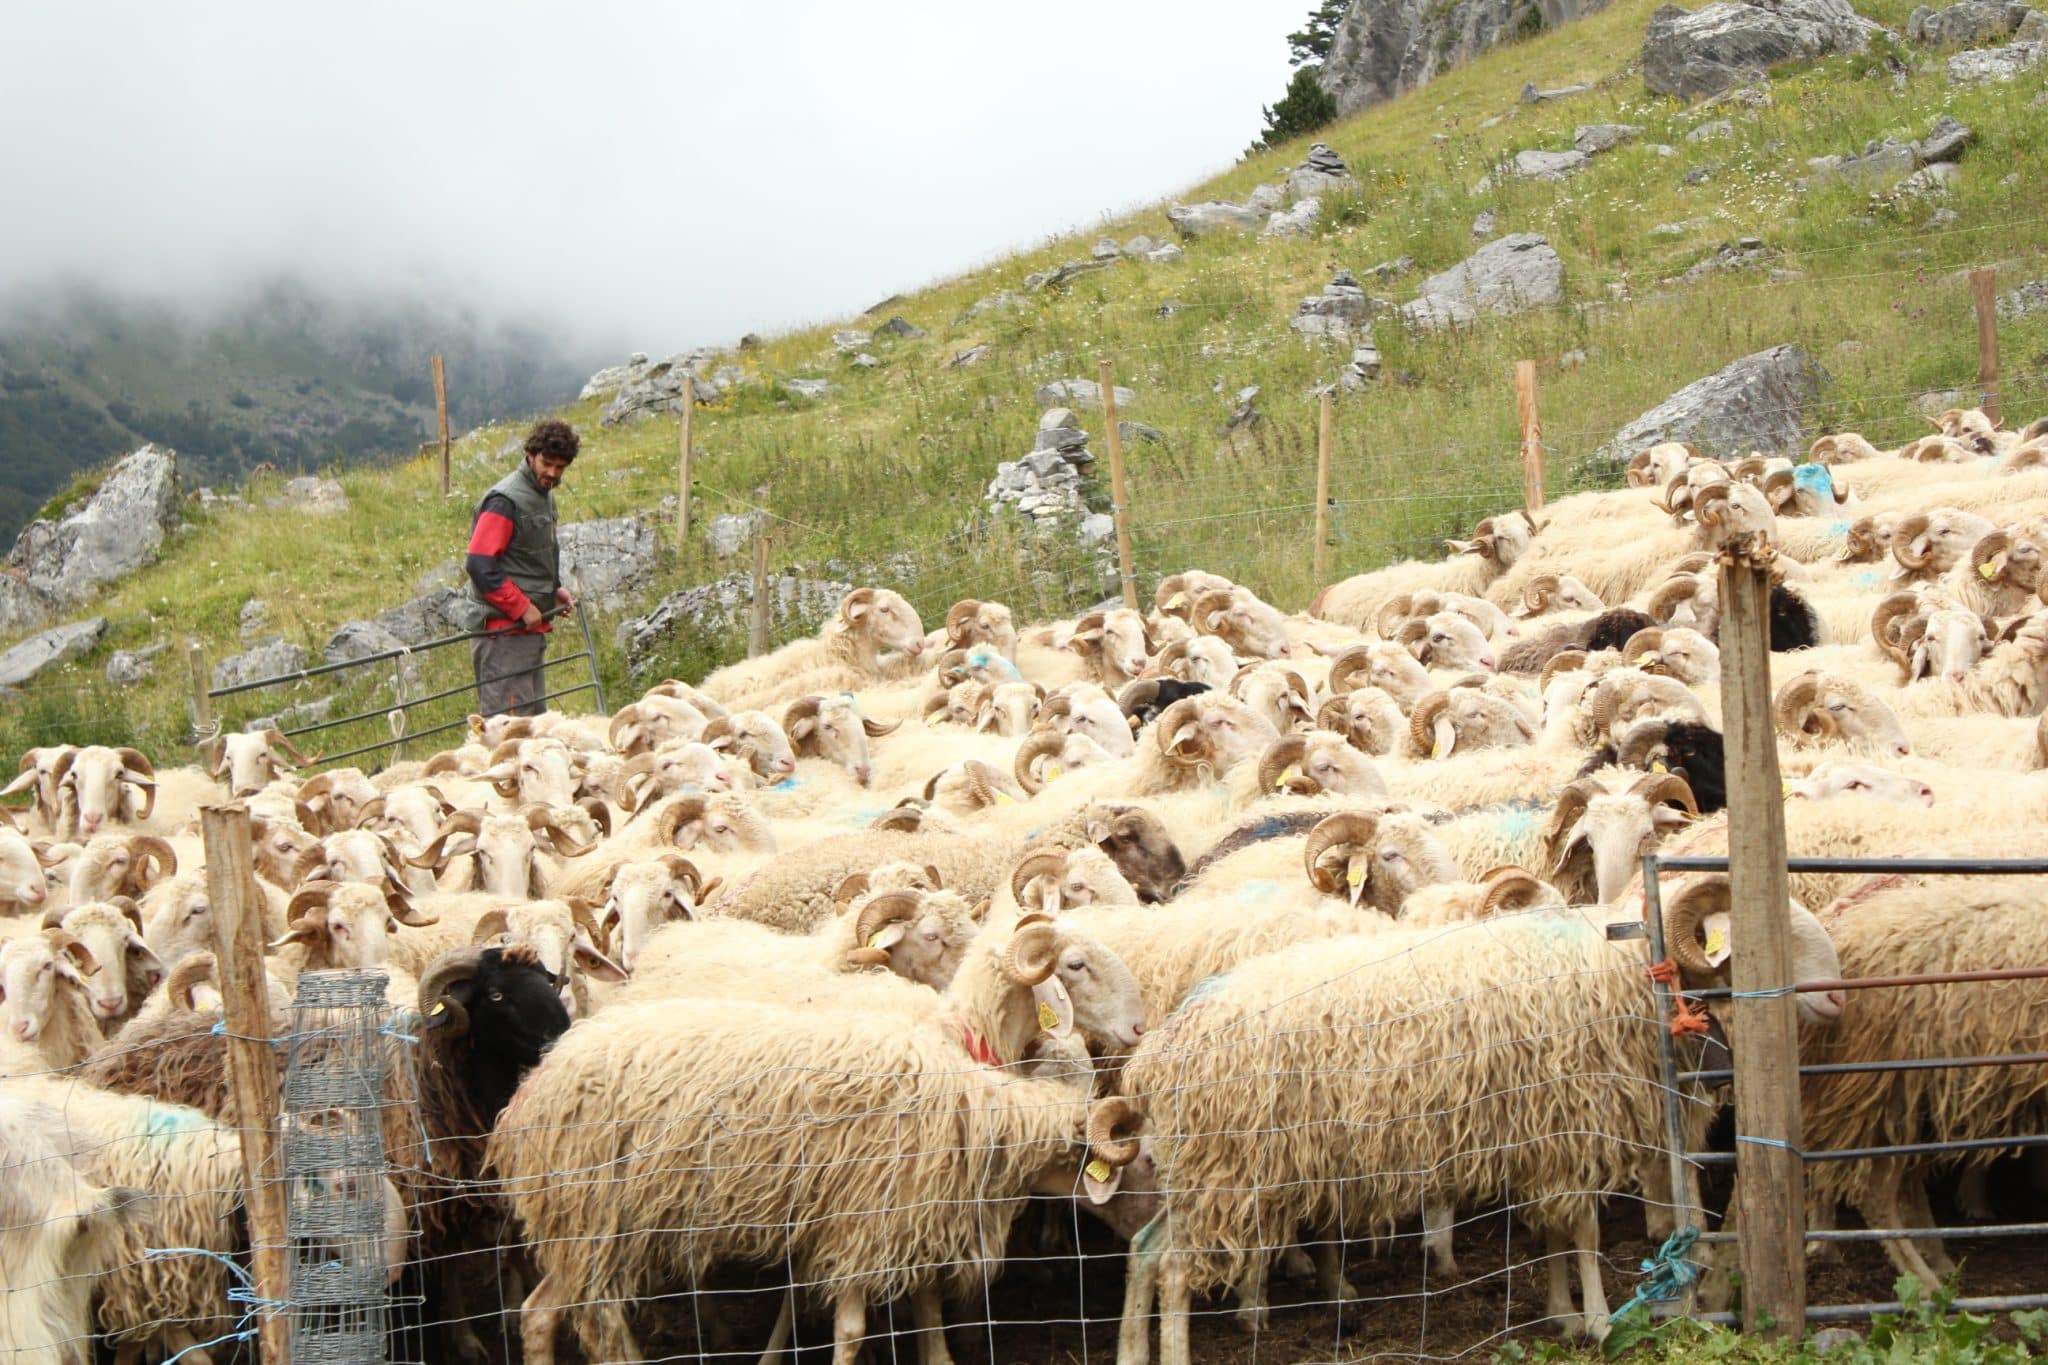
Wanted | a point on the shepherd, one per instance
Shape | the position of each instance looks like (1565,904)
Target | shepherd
(514,566)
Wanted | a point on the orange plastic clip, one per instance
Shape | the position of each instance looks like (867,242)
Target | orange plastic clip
(1686,1017)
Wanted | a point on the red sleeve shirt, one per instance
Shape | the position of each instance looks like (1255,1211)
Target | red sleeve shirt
(487,540)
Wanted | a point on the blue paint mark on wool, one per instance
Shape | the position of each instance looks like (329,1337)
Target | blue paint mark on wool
(1203,989)
(1838,530)
(1269,828)
(1257,891)
(787,784)
(1867,579)
(171,1122)
(984,657)
(1515,823)
(1814,478)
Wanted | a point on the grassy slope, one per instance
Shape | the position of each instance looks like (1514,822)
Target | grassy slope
(888,470)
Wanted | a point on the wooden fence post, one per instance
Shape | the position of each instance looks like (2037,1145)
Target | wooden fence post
(1532,435)
(238,948)
(683,471)
(1764,1027)
(1981,285)
(757,621)
(1120,505)
(1321,558)
(441,408)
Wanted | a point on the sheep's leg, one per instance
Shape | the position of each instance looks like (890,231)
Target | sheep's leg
(1296,1264)
(1660,1219)
(1972,1196)
(1913,1204)
(1558,1305)
(1141,1284)
(1330,1279)
(539,1316)
(1880,1208)
(849,1325)
(1822,1219)
(1252,1313)
(130,1353)
(1592,1294)
(930,1318)
(1437,1222)
(785,1322)
(1173,1311)
(180,1344)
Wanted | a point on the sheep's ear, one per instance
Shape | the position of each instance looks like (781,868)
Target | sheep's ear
(1101,1191)
(1055,1006)
(1715,928)
(597,965)
(979,911)
(302,932)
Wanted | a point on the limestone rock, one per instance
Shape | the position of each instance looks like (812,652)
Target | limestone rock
(717,613)
(1595,138)
(1096,528)
(1539,165)
(1945,141)
(851,340)
(729,534)
(309,494)
(433,615)
(2029,299)
(1485,225)
(1531,95)
(1078,393)
(658,388)
(1997,64)
(808,388)
(972,355)
(1105,249)
(1751,404)
(603,562)
(1516,272)
(1128,432)
(273,660)
(1972,23)
(22,606)
(1321,172)
(1139,245)
(897,327)
(1166,254)
(1059,275)
(359,640)
(1731,42)
(1213,216)
(59,644)
(1298,221)
(128,667)
(117,530)
(1382,48)
(1711,129)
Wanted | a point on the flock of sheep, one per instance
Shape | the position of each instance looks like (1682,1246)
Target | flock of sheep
(1256,935)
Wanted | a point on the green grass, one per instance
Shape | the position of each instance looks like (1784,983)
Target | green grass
(882,479)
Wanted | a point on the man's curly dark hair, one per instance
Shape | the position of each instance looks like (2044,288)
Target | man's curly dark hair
(553,439)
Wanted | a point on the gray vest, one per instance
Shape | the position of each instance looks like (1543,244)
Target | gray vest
(532,560)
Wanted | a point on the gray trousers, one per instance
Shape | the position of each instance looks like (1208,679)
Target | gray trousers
(510,679)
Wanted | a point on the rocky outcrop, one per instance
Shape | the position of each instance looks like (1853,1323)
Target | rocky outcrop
(1078,393)
(2029,299)
(709,619)
(1340,311)
(55,646)
(1046,483)
(1383,48)
(273,660)
(1213,216)
(1694,54)
(1516,272)
(116,531)
(603,562)
(1995,64)
(1753,404)
(1972,23)
(359,640)
(308,493)
(126,667)
(1887,161)
(647,390)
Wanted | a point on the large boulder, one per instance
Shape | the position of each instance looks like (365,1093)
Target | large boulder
(1693,54)
(359,640)
(58,645)
(1382,48)
(711,619)
(116,531)
(23,605)
(658,388)
(1078,393)
(1972,23)
(273,660)
(1514,273)
(1995,64)
(434,615)
(605,561)
(1751,404)
(1541,165)
(1214,216)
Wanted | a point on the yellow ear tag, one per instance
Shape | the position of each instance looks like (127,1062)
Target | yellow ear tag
(1436,749)
(1659,768)
(1992,567)
(1005,799)
(1135,722)
(1354,876)
(1280,782)
(440,1007)
(1098,1169)
(1179,599)
(1053,771)
(876,941)
(934,718)
(1048,1017)
(1717,941)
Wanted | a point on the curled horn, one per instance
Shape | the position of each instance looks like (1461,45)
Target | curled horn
(129,910)
(1637,742)
(133,761)
(1680,587)
(1346,827)
(1032,954)
(1638,473)
(627,715)
(1648,640)
(891,907)
(1536,594)
(580,910)
(437,1009)
(1137,695)
(278,740)
(1511,888)
(850,889)
(541,820)
(936,706)
(800,723)
(983,782)
(1795,712)
(1606,704)
(906,817)
(1172,733)
(1279,756)
(1208,604)
(151,852)
(1677,496)
(1908,530)
(433,855)
(1710,504)
(1037,744)
(311,896)
(1172,586)
(1171,662)
(960,622)
(504,784)
(489,927)
(62,942)
(1422,722)
(951,669)
(720,729)
(1657,789)
(1087,636)
(1113,1128)
(1335,714)
(185,977)
(1041,863)
(1683,915)
(1349,666)
(1390,615)
(859,597)
(876,728)
(1887,628)
(1571,804)
(677,814)
(600,814)
(1988,548)
(1564,661)
(1749,468)
(1411,633)
(1780,488)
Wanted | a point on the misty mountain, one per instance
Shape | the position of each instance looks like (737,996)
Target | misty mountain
(283,372)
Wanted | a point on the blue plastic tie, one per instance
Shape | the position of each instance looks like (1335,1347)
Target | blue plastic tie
(1766,1142)
(245,1295)
(1774,993)
(1668,1274)
(220,1026)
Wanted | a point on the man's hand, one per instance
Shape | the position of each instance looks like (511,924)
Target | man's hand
(530,618)
(565,603)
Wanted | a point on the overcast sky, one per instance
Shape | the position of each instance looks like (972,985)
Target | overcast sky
(652,174)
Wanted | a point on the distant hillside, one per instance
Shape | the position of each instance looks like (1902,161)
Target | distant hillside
(283,374)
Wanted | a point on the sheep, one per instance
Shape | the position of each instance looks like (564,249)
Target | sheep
(58,1233)
(679,767)
(756,737)
(503,850)
(1315,763)
(832,728)
(1610,629)
(1690,749)
(335,800)
(24,867)
(123,969)
(1657,465)
(38,777)
(2012,680)
(1086,709)
(1549,592)
(1928,544)
(276,846)
(534,771)
(1817,707)
(1676,652)
(1113,644)
(1249,626)
(1888,929)
(1504,1021)
(1843,779)
(1599,832)
(656,719)
(1048,880)
(2000,574)
(251,760)
(120,865)
(970,623)
(903,1093)
(1497,543)
(1279,693)
(1206,660)
(846,653)
(1369,719)
(47,1022)
(1466,716)
(639,897)
(97,786)
(1047,755)
(1366,857)
(1928,638)
(1444,639)
(346,924)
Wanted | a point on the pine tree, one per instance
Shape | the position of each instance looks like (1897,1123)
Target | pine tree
(1312,44)
(1304,108)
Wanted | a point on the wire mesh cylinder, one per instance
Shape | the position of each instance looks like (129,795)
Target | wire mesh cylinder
(339,1202)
